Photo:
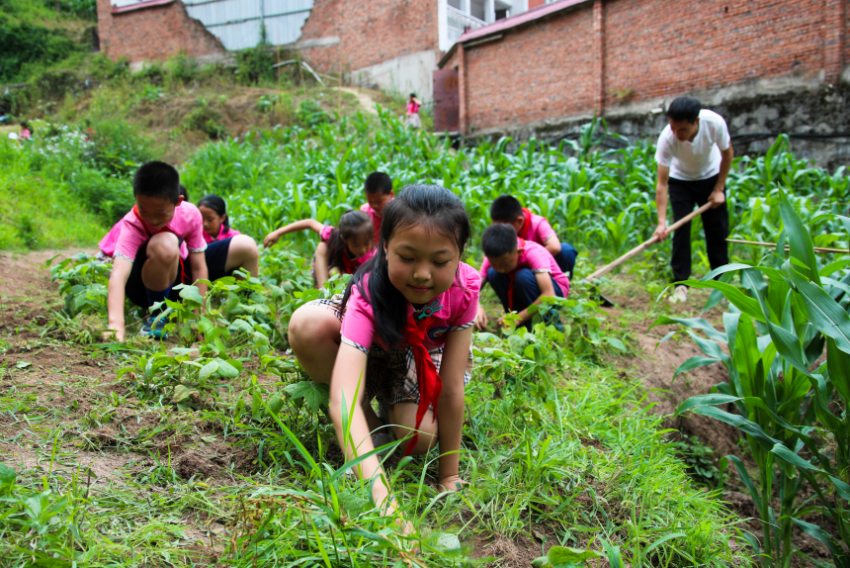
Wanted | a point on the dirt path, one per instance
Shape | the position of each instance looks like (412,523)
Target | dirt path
(367,103)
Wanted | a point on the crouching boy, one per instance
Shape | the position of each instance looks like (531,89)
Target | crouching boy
(520,272)
(160,244)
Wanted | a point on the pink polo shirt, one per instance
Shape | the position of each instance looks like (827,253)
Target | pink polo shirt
(376,220)
(454,309)
(133,232)
(535,228)
(537,259)
(223,233)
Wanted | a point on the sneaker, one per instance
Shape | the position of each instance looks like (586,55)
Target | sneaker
(680,295)
(154,327)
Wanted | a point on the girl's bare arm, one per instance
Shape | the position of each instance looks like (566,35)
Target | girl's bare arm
(348,383)
(301,225)
(450,406)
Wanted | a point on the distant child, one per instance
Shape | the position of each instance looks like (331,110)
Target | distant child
(26,131)
(413,105)
(402,333)
(520,272)
(342,249)
(531,227)
(216,223)
(379,192)
(160,244)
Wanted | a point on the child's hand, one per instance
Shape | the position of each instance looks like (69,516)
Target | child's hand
(270,239)
(113,334)
(480,319)
(451,483)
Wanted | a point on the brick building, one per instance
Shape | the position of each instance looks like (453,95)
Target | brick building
(152,31)
(572,59)
(394,44)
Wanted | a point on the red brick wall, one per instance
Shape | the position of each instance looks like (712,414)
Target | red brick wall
(639,50)
(665,48)
(154,33)
(544,70)
(369,32)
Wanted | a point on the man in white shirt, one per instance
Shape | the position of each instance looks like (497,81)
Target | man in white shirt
(694,154)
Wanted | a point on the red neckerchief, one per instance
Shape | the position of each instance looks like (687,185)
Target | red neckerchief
(349,265)
(525,230)
(427,376)
(520,246)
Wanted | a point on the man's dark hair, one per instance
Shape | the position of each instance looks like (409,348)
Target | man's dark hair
(684,108)
(378,182)
(505,209)
(498,239)
(157,179)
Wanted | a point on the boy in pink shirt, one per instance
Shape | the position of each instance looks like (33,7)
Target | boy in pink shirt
(160,244)
(531,227)
(379,192)
(520,272)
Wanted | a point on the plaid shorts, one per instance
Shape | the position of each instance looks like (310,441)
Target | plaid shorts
(391,373)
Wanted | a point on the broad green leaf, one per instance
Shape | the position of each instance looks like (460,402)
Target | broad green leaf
(818,534)
(838,363)
(826,314)
(208,369)
(798,239)
(314,395)
(694,363)
(740,300)
(746,480)
(191,293)
(181,393)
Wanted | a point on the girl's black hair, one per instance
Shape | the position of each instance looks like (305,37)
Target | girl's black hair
(352,224)
(430,205)
(218,205)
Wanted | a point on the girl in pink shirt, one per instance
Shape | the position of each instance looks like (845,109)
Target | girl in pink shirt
(342,249)
(216,223)
(401,333)
(413,105)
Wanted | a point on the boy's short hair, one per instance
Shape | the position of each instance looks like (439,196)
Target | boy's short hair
(684,108)
(498,239)
(157,179)
(505,209)
(378,182)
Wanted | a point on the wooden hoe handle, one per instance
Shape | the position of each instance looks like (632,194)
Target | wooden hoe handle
(647,243)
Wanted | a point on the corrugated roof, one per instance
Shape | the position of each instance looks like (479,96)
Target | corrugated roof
(501,26)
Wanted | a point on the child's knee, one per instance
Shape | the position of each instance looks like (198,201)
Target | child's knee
(164,248)
(312,326)
(403,418)
(245,247)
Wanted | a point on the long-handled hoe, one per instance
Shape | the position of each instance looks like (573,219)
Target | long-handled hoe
(637,250)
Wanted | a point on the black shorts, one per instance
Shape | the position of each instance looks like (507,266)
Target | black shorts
(215,255)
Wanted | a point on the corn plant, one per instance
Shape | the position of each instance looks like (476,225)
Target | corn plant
(791,404)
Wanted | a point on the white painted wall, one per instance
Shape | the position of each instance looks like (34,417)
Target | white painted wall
(406,74)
